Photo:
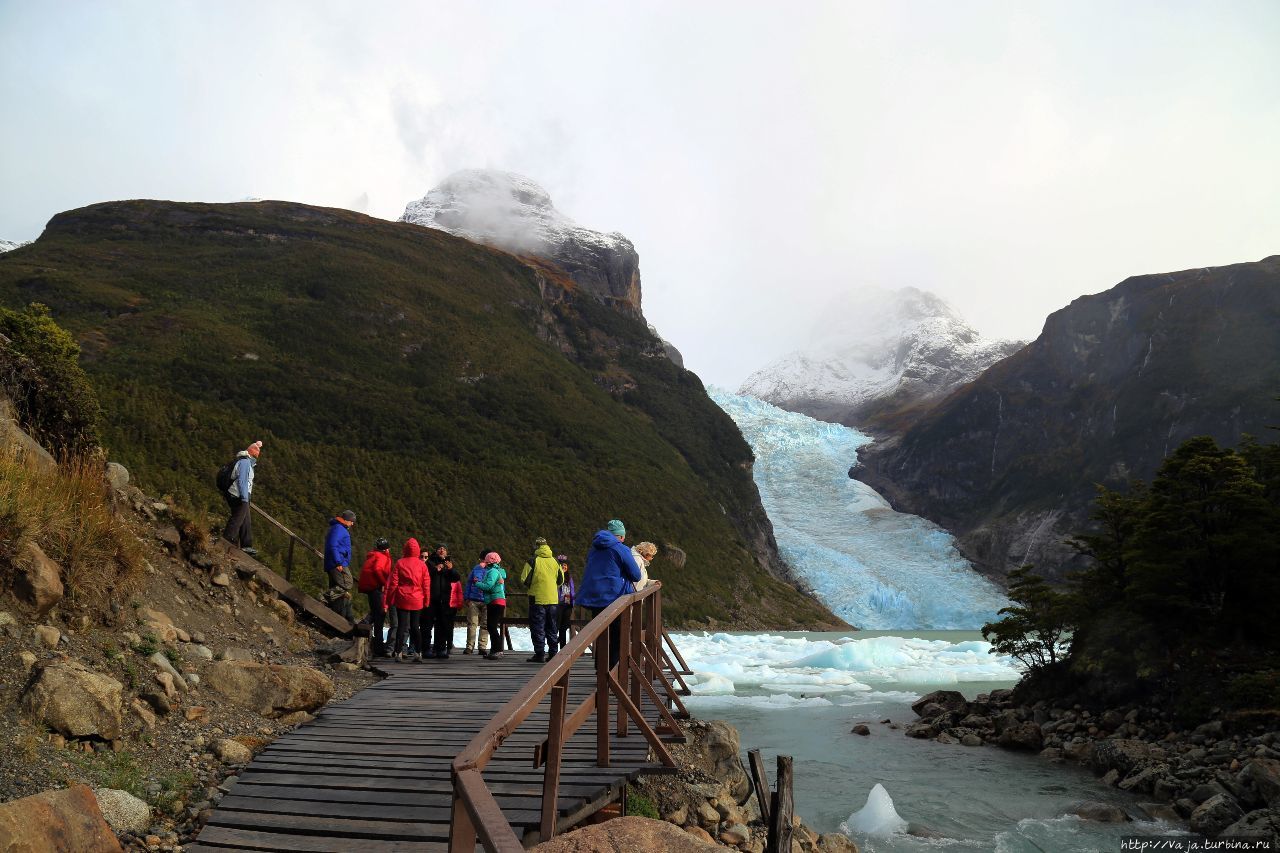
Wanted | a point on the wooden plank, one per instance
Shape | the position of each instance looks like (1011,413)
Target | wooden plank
(246,839)
(290,593)
(760,782)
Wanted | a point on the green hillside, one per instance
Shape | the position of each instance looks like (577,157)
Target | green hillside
(439,388)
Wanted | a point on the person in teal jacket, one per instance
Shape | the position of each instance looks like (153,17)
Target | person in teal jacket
(494,588)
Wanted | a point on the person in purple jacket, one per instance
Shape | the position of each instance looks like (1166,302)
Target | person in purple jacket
(611,573)
(568,598)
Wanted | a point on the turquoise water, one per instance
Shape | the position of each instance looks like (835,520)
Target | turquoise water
(800,693)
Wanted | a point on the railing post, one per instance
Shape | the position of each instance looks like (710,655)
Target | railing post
(288,568)
(462,833)
(624,656)
(654,636)
(555,747)
(601,654)
(637,653)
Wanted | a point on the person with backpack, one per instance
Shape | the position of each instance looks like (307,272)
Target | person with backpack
(494,587)
(337,563)
(611,572)
(373,579)
(235,484)
(473,607)
(408,591)
(542,577)
(566,596)
(439,616)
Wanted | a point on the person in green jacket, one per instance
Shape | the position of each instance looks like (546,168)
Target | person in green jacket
(494,588)
(544,600)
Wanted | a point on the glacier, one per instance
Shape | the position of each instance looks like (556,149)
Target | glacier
(874,567)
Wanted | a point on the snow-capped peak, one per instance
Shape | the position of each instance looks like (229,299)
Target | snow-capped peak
(9,245)
(514,213)
(877,349)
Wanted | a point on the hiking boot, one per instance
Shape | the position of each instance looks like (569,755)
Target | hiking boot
(493,656)
(468,651)
(252,552)
(538,658)
(429,653)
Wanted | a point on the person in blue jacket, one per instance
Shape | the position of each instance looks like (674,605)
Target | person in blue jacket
(611,573)
(337,563)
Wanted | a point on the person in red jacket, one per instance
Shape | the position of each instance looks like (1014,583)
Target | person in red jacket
(408,591)
(373,579)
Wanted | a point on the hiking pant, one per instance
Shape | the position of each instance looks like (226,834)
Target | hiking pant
(615,636)
(477,622)
(239,530)
(376,617)
(542,627)
(563,618)
(408,628)
(494,614)
(444,630)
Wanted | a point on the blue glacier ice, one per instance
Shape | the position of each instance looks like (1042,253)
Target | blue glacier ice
(874,567)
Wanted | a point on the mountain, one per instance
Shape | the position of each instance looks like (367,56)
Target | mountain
(878,359)
(9,245)
(513,213)
(1115,381)
(438,387)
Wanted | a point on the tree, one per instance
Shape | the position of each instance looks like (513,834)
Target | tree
(1036,628)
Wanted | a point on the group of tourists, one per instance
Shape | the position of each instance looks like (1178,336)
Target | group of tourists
(417,601)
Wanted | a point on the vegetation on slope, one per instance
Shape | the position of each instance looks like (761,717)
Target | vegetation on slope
(415,377)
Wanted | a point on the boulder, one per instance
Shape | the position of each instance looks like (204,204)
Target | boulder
(628,834)
(30,451)
(272,690)
(71,699)
(720,755)
(124,811)
(1263,776)
(158,624)
(1121,755)
(117,476)
(232,751)
(1215,814)
(1100,812)
(27,659)
(735,834)
(39,580)
(836,842)
(48,636)
(861,729)
(920,730)
(166,666)
(948,700)
(233,653)
(971,740)
(1022,736)
(1160,811)
(1261,825)
(65,820)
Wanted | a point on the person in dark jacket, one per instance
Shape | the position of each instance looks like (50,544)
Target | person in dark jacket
(610,573)
(473,607)
(373,578)
(408,590)
(439,615)
(568,594)
(337,563)
(239,529)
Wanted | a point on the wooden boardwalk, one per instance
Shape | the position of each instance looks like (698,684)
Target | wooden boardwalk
(372,773)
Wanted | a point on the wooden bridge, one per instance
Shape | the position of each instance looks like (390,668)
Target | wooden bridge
(451,754)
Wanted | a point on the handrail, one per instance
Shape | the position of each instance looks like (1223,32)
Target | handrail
(293,537)
(476,815)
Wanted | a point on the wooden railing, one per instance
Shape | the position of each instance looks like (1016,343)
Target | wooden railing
(642,662)
(294,539)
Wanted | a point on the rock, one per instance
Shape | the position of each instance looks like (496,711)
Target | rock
(38,581)
(919,730)
(1205,791)
(297,718)
(282,610)
(48,636)
(1100,812)
(1079,750)
(1263,824)
(28,449)
(1052,753)
(1144,779)
(196,713)
(836,842)
(1111,777)
(707,815)
(158,700)
(678,816)
(163,664)
(721,756)
(346,667)
(63,820)
(1120,754)
(158,624)
(946,738)
(169,536)
(1263,776)
(1215,814)
(861,729)
(124,811)
(199,652)
(948,700)
(627,835)
(27,659)
(220,579)
(166,681)
(71,699)
(1160,811)
(971,740)
(117,476)
(735,834)
(144,712)
(270,689)
(977,721)
(233,653)
(232,752)
(183,636)
(931,710)
(1022,736)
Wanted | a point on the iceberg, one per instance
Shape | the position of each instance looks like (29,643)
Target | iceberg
(877,817)
(874,567)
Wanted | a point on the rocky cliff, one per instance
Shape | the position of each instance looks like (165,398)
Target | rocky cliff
(1115,381)
(877,360)
(512,212)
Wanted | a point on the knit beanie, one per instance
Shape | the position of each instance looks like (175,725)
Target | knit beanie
(492,557)
(255,449)
(617,528)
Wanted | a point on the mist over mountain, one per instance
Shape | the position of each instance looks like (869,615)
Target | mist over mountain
(877,359)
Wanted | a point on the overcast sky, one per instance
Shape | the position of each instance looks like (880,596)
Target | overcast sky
(763,157)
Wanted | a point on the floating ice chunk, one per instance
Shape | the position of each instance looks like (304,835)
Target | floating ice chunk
(710,684)
(877,817)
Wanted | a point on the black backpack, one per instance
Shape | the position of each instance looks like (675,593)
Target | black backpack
(226,475)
